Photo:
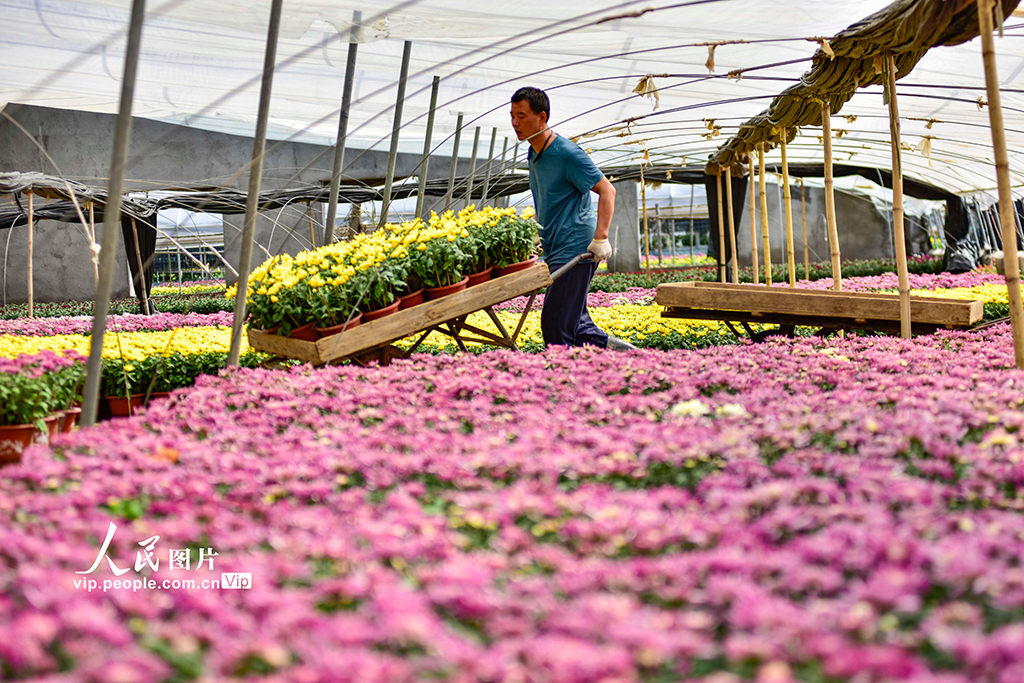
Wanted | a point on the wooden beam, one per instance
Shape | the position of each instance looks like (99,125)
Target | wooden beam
(830,198)
(897,196)
(753,224)
(1011,265)
(765,236)
(732,225)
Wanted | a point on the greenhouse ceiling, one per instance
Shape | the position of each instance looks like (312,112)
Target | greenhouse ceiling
(716,64)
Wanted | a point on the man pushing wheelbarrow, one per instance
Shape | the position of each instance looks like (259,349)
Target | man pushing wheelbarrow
(562,177)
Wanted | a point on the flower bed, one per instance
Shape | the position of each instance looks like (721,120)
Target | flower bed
(845,510)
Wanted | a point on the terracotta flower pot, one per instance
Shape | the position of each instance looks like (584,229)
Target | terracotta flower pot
(70,419)
(272,330)
(370,316)
(514,267)
(341,327)
(438,292)
(482,276)
(14,439)
(411,299)
(53,423)
(121,406)
(304,333)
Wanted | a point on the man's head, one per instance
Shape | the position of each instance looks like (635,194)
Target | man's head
(530,112)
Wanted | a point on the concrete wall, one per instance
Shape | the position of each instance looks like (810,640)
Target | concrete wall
(62,266)
(864,233)
(163,156)
(624,234)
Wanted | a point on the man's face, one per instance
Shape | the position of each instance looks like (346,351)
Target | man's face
(524,122)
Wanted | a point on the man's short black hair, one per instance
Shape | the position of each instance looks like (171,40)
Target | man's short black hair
(537,98)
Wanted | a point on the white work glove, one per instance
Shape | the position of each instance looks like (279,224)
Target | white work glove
(600,250)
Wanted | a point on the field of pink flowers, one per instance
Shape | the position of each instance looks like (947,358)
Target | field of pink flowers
(800,510)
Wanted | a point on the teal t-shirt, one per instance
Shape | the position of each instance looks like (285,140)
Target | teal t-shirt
(561,178)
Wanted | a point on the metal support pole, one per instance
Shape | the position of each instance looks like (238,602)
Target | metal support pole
(1011,266)
(108,250)
(472,166)
(643,210)
(434,86)
(339,147)
(489,168)
(657,220)
(31,245)
(255,176)
(830,197)
(897,197)
(396,128)
(450,195)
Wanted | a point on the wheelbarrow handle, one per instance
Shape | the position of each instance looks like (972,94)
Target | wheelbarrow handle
(572,262)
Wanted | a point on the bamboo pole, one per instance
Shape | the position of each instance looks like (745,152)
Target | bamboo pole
(309,215)
(755,263)
(721,228)
(396,128)
(112,214)
(142,269)
(790,255)
(897,196)
(647,234)
(803,211)
(339,146)
(1011,265)
(692,237)
(252,208)
(657,220)
(92,245)
(31,245)
(765,236)
(830,197)
(732,226)
(434,87)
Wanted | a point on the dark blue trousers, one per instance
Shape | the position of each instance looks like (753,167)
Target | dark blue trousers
(564,319)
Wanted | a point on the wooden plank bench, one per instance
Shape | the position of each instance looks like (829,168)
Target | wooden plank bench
(827,310)
(373,340)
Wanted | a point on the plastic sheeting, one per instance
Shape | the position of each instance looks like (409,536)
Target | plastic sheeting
(201,62)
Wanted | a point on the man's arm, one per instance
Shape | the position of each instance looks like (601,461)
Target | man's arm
(600,248)
(605,207)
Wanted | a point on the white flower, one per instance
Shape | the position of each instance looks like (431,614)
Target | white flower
(731,410)
(692,408)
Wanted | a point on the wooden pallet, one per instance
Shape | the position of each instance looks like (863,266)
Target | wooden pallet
(825,309)
(372,341)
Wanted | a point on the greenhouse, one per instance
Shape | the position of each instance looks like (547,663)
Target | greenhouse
(427,340)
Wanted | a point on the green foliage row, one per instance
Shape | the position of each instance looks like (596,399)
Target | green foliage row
(165,373)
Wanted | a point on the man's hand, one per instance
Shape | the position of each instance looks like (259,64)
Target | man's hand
(600,249)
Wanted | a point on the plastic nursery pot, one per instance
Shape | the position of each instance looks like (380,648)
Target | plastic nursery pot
(14,439)
(335,329)
(370,316)
(482,276)
(304,333)
(438,292)
(411,299)
(514,267)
